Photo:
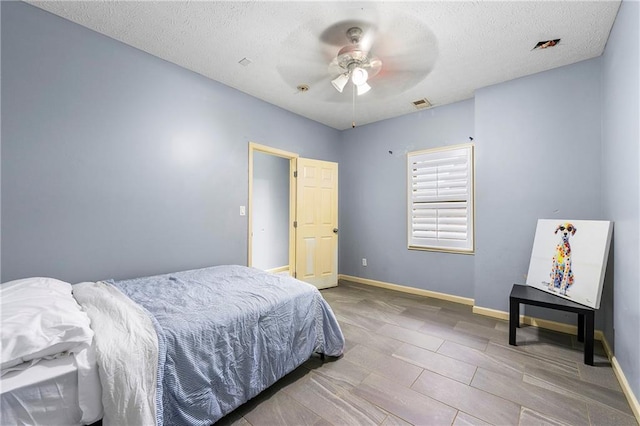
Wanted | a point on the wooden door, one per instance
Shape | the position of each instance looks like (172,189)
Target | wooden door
(317,222)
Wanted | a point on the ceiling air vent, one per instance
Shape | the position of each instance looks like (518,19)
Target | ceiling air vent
(546,43)
(422,103)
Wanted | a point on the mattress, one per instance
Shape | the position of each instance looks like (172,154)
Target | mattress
(45,393)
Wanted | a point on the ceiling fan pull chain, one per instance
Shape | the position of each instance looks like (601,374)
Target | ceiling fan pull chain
(353,108)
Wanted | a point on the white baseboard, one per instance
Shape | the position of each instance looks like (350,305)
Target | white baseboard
(284,268)
(493,313)
(626,388)
(410,290)
(536,322)
(573,329)
(622,379)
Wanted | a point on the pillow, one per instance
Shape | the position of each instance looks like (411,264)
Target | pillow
(40,318)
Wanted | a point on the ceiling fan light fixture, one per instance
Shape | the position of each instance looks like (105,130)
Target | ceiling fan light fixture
(340,81)
(359,76)
(363,88)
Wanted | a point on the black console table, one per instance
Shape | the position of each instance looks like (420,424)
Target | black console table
(532,296)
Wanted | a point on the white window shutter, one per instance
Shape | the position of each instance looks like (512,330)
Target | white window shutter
(440,183)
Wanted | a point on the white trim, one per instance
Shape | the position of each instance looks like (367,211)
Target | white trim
(410,290)
(279,269)
(292,157)
(493,313)
(605,345)
(622,379)
(535,322)
(273,151)
(626,388)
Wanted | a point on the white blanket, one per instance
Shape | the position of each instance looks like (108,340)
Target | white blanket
(125,340)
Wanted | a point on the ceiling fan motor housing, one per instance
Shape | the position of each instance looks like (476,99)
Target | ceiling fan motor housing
(353,56)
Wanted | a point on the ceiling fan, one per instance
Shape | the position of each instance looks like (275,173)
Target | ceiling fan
(381,52)
(354,63)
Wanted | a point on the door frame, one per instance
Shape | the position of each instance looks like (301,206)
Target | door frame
(292,157)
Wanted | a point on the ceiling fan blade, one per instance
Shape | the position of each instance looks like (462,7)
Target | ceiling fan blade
(334,69)
(407,55)
(365,18)
(374,67)
(404,38)
(368,39)
(397,83)
(305,67)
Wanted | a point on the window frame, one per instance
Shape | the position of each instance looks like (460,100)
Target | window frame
(466,246)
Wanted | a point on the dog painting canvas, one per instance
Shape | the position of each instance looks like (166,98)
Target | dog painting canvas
(569,258)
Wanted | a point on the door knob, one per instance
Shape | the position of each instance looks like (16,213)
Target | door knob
(335,230)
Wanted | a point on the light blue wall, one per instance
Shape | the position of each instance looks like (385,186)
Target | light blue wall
(537,156)
(118,164)
(530,135)
(270,211)
(373,200)
(0,152)
(621,182)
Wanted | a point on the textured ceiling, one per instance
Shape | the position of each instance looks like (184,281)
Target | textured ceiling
(439,50)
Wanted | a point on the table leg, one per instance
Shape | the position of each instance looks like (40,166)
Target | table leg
(588,339)
(514,319)
(580,327)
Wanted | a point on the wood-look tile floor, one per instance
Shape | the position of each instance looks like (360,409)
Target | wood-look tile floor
(423,361)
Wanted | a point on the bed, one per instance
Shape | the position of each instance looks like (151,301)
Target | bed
(190,347)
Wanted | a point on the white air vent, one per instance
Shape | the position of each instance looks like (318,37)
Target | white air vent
(244,62)
(546,43)
(422,103)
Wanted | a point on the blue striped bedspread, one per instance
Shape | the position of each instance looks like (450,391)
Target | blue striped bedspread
(226,333)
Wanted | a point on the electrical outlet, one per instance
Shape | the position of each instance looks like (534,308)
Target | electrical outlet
(243,211)
(364,261)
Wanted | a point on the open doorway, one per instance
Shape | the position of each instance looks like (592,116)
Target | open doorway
(303,225)
(271,211)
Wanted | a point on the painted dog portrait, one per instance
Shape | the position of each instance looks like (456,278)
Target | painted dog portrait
(561,271)
(569,258)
